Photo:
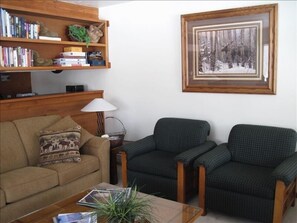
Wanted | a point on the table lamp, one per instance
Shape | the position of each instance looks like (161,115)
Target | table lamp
(99,105)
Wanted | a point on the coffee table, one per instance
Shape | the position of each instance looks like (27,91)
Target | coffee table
(164,210)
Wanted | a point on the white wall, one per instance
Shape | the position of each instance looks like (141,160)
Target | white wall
(145,79)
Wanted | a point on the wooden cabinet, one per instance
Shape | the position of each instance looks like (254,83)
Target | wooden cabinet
(56,16)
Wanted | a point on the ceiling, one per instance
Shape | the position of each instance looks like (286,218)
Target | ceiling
(95,3)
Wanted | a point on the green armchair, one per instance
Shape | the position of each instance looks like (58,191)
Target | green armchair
(162,163)
(252,176)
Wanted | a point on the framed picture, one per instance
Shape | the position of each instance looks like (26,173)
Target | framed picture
(230,51)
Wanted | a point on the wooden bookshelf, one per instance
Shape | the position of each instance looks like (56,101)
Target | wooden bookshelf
(56,16)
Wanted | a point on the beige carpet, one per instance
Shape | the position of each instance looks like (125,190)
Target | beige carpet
(213,217)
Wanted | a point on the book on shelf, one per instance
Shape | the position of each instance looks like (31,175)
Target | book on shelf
(73,54)
(50,38)
(72,49)
(71,57)
(70,60)
(102,195)
(71,65)
(78,217)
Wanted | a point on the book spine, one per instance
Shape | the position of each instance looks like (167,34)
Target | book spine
(1,22)
(1,57)
(8,24)
(16,27)
(19,56)
(5,56)
(31,31)
(12,26)
(20,27)
(4,23)
(10,57)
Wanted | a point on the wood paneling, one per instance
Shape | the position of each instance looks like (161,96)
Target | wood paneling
(56,104)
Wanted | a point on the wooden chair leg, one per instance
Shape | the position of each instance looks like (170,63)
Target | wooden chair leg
(201,182)
(279,197)
(124,169)
(181,181)
(295,191)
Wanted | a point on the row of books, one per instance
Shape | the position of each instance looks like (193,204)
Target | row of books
(15,26)
(16,57)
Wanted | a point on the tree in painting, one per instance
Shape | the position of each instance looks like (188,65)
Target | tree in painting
(227,51)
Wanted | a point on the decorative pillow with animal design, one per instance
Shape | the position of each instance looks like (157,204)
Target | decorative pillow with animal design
(59,146)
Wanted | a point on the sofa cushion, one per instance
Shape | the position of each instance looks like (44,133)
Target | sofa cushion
(11,147)
(244,179)
(24,182)
(159,163)
(67,122)
(28,129)
(59,146)
(2,198)
(68,172)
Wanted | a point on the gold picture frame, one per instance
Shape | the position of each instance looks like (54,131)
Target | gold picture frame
(230,51)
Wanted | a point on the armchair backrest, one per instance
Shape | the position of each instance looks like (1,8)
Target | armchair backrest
(177,135)
(261,145)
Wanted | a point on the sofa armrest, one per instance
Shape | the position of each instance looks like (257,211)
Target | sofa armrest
(100,148)
(214,158)
(286,171)
(190,155)
(139,147)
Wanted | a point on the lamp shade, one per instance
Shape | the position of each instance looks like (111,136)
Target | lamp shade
(98,105)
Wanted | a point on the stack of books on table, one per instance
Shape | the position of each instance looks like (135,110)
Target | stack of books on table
(79,217)
(70,59)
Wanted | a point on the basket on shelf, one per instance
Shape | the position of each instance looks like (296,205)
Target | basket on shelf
(116,138)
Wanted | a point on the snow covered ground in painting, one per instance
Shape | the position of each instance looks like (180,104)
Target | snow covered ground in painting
(222,68)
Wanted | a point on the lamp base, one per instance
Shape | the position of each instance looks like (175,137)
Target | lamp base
(100,124)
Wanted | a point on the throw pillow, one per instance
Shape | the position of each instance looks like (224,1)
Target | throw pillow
(59,146)
(67,122)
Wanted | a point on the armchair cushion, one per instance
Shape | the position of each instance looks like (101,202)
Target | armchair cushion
(158,163)
(141,146)
(261,145)
(214,158)
(244,179)
(287,170)
(177,135)
(190,155)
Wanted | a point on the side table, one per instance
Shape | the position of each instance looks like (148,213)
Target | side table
(113,163)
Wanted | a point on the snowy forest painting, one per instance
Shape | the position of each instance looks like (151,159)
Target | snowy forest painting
(229,50)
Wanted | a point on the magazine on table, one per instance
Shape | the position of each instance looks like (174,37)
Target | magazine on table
(102,195)
(78,217)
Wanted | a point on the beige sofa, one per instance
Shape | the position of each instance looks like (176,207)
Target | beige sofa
(24,186)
